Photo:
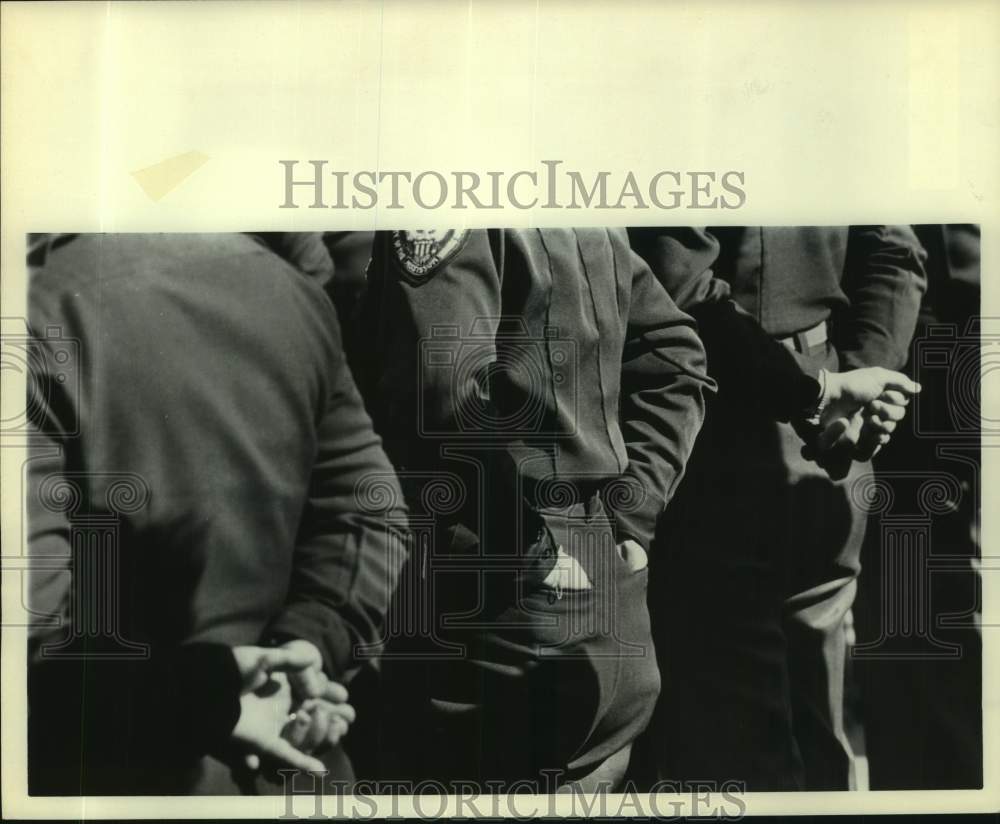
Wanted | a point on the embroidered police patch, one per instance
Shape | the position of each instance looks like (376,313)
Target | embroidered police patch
(421,252)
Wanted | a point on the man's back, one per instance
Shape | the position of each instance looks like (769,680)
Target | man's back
(164,393)
(194,471)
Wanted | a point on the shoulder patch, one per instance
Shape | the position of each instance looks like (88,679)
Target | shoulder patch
(422,252)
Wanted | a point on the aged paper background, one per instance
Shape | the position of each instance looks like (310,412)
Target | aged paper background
(837,112)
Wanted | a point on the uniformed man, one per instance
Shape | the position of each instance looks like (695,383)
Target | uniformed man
(208,435)
(760,551)
(551,382)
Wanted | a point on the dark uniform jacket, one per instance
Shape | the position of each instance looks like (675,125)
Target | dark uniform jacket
(557,346)
(207,380)
(748,286)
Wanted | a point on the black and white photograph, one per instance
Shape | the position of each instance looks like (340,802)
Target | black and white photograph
(440,509)
(655,485)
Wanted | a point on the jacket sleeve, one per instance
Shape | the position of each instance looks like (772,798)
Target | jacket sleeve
(663,388)
(884,279)
(750,367)
(352,537)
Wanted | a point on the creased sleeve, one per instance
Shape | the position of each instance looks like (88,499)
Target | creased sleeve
(884,280)
(352,539)
(664,386)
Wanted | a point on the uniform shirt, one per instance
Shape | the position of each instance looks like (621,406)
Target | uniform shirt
(208,376)
(557,346)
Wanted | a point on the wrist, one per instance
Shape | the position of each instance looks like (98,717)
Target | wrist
(828,389)
(834,386)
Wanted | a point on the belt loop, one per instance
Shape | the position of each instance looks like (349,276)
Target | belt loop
(807,340)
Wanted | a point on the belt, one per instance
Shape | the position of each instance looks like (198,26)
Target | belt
(804,341)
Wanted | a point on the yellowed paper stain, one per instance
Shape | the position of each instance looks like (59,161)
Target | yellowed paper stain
(162,178)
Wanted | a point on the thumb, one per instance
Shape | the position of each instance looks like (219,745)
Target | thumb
(253,666)
(294,655)
(899,382)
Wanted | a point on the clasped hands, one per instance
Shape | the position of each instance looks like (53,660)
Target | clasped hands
(289,708)
(863,409)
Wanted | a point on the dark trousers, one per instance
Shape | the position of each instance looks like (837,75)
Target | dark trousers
(542,685)
(753,573)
